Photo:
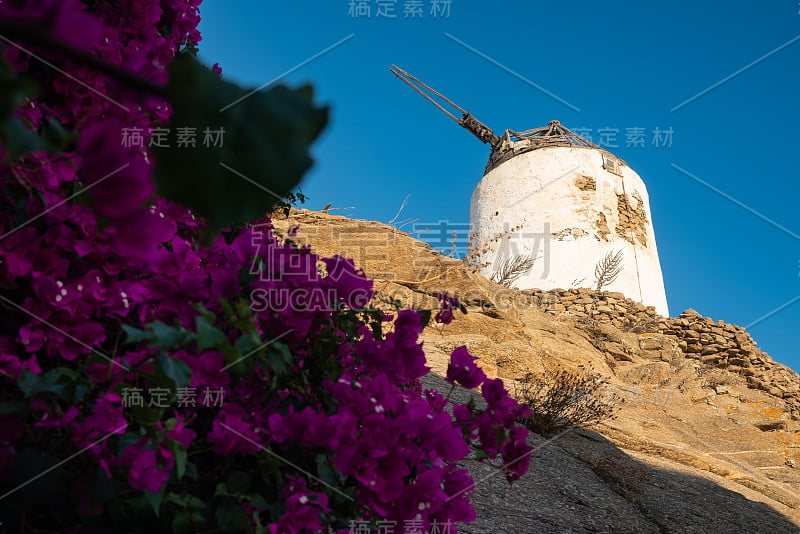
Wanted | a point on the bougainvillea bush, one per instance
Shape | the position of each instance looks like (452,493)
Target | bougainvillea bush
(168,362)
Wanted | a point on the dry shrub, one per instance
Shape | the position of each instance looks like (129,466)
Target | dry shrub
(511,269)
(561,399)
(645,326)
(711,378)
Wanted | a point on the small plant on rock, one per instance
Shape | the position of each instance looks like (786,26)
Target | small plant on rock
(559,400)
(511,269)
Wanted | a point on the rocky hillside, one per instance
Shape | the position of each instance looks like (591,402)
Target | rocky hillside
(707,433)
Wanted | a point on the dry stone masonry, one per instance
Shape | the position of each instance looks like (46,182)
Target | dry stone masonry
(632,220)
(714,343)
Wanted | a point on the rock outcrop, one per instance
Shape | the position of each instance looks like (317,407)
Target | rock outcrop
(706,438)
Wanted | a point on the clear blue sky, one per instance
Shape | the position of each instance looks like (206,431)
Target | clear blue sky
(623,64)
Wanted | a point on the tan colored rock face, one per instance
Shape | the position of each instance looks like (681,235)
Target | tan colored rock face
(707,417)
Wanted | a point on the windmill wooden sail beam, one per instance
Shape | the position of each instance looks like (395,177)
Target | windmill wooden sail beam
(470,123)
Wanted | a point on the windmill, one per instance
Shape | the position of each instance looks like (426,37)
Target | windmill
(550,194)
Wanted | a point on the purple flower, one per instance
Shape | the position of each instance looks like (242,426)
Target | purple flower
(144,472)
(303,511)
(352,287)
(119,176)
(463,369)
(140,233)
(233,432)
(502,409)
(206,369)
(447,305)
(400,356)
(458,485)
(106,417)
(516,454)
(58,17)
(10,365)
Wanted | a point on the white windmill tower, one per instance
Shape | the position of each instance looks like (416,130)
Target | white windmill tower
(564,209)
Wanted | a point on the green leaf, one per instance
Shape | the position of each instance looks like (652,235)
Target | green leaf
(60,381)
(188,522)
(174,369)
(179,500)
(126,440)
(191,470)
(326,472)
(264,152)
(154,499)
(239,482)
(147,416)
(134,335)
(55,137)
(227,308)
(179,452)
(280,359)
(168,336)
(208,336)
(229,513)
(480,454)
(257,521)
(104,489)
(15,137)
(426,317)
(205,313)
(257,501)
(13,408)
(247,344)
(221,490)
(501,434)
(235,364)
(29,466)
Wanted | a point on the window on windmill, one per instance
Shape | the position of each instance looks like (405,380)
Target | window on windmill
(611,164)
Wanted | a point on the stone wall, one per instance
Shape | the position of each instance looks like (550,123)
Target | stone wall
(713,343)
(603,306)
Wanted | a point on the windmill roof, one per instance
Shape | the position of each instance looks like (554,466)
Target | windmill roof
(554,134)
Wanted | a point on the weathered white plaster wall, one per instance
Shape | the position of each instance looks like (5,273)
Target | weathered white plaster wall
(562,224)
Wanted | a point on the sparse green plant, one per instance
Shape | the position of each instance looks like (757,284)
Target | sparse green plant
(559,400)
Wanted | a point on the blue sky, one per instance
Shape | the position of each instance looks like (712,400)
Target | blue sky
(731,254)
